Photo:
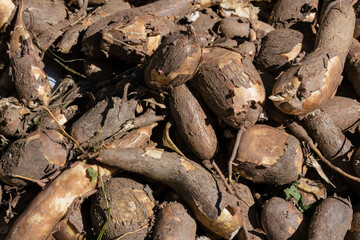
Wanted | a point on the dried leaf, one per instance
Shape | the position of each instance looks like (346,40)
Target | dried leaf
(167,142)
(311,162)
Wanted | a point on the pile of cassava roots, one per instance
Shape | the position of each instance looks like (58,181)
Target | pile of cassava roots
(179,119)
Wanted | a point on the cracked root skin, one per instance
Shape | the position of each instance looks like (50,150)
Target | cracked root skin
(214,208)
(231,86)
(304,87)
(331,219)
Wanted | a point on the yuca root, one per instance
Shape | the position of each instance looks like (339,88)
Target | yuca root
(214,208)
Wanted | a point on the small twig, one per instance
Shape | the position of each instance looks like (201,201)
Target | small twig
(56,59)
(68,68)
(234,152)
(217,169)
(65,133)
(128,233)
(38,182)
(330,165)
(128,45)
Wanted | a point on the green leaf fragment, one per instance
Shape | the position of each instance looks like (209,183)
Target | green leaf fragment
(293,192)
(92,174)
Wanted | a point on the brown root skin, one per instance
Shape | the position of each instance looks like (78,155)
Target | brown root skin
(352,66)
(268,155)
(215,209)
(345,112)
(175,62)
(288,12)
(354,232)
(174,223)
(304,87)
(103,120)
(194,123)
(40,15)
(72,226)
(278,48)
(31,82)
(331,219)
(230,86)
(53,203)
(71,37)
(330,139)
(34,157)
(131,208)
(119,41)
(233,27)
(168,9)
(282,220)
(300,133)
(11,114)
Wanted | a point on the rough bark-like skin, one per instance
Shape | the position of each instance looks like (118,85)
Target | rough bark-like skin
(288,12)
(11,114)
(194,123)
(331,141)
(217,210)
(354,232)
(352,66)
(175,62)
(138,137)
(281,220)
(345,112)
(37,155)
(331,219)
(304,87)
(278,48)
(52,203)
(231,86)
(249,211)
(131,208)
(233,27)
(41,14)
(72,227)
(165,9)
(62,116)
(71,37)
(135,37)
(31,82)
(103,121)
(268,155)
(174,223)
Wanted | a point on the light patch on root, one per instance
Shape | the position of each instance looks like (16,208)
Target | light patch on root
(187,165)
(61,119)
(293,53)
(153,43)
(288,92)
(33,137)
(188,67)
(37,72)
(6,8)
(331,81)
(291,230)
(154,153)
